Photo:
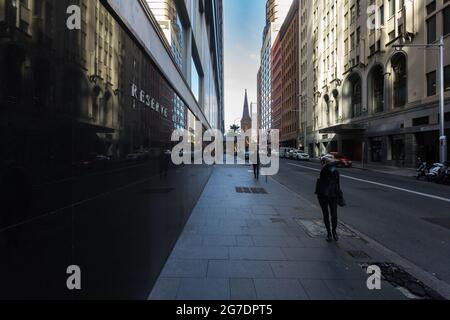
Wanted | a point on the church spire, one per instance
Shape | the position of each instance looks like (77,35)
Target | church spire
(246,114)
(246,122)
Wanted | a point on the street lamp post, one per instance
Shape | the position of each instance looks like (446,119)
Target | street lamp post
(305,126)
(442,137)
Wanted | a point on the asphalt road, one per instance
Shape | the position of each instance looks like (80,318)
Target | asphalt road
(389,209)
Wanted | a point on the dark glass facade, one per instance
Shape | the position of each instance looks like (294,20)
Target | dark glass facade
(86,119)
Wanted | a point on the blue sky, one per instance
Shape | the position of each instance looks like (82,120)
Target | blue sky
(244,21)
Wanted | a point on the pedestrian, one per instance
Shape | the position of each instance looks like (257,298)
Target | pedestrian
(257,165)
(164,159)
(330,196)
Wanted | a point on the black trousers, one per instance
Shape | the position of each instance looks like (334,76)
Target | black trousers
(256,171)
(329,207)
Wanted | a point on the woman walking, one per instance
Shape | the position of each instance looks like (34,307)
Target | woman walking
(328,190)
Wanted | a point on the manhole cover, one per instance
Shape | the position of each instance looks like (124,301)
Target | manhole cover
(357,254)
(315,228)
(442,222)
(408,285)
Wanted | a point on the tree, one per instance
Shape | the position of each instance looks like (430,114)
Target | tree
(235,128)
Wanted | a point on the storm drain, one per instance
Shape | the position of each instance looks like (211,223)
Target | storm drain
(408,285)
(251,190)
(259,191)
(358,254)
(442,222)
(315,228)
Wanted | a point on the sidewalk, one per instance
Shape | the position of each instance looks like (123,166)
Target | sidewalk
(255,246)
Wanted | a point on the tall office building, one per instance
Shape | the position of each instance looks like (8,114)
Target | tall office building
(285,83)
(86,117)
(276,11)
(364,97)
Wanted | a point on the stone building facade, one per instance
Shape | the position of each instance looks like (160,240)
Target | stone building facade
(364,96)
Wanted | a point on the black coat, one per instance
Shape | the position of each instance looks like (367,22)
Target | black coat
(328,185)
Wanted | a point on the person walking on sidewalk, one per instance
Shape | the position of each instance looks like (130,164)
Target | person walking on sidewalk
(329,193)
(257,165)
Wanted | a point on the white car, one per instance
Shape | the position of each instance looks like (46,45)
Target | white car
(291,154)
(284,152)
(302,156)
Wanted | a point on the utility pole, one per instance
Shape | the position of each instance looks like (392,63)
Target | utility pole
(443,137)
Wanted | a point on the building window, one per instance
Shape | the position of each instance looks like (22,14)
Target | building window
(354,92)
(447,78)
(431,29)
(423,121)
(431,7)
(400,79)
(446,22)
(376,91)
(381,15)
(195,80)
(391,7)
(431,83)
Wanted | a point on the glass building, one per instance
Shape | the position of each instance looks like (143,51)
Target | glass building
(86,118)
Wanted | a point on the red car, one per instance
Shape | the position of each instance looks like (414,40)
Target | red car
(343,160)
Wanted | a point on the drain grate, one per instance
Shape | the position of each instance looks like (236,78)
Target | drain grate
(259,191)
(442,222)
(408,285)
(251,190)
(358,254)
(315,228)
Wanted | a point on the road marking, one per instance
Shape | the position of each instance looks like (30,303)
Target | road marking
(381,185)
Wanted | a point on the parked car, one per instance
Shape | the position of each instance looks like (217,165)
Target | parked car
(343,161)
(284,152)
(301,155)
(291,154)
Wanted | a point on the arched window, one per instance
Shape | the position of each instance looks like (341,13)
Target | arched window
(335,94)
(107,109)
(376,89)
(353,95)
(400,79)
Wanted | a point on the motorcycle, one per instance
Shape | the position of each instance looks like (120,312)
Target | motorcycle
(444,174)
(422,170)
(435,172)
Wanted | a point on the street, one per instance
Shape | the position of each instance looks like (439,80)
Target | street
(399,212)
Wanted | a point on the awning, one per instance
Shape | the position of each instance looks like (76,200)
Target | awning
(345,128)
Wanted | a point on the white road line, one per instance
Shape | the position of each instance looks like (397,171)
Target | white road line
(381,185)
